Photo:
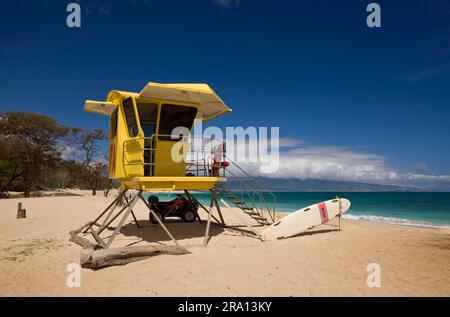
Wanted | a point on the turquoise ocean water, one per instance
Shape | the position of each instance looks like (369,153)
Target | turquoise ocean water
(413,209)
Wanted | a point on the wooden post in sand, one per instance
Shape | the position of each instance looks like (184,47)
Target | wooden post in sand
(21,213)
(340,213)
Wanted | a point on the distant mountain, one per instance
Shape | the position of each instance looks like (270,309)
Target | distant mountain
(321,185)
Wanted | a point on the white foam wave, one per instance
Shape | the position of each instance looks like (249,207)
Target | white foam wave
(396,221)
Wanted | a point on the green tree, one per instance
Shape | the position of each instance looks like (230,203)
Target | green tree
(88,153)
(11,167)
(33,140)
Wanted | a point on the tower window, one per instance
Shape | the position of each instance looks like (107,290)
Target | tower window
(130,117)
(173,116)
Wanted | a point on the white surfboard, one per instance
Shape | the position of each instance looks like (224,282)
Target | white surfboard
(306,218)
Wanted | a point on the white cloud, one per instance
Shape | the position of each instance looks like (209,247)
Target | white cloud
(290,142)
(331,162)
(340,163)
(426,73)
(425,177)
(67,152)
(70,153)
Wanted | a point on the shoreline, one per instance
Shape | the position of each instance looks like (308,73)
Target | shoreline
(368,218)
(407,222)
(394,221)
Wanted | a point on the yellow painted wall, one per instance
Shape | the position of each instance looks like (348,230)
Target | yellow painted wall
(129,164)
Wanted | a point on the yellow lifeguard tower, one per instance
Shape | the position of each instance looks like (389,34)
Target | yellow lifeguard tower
(142,139)
(149,150)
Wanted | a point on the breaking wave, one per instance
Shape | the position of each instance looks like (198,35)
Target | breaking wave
(396,221)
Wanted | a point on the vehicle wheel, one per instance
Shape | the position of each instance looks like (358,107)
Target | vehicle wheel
(153,200)
(152,218)
(188,215)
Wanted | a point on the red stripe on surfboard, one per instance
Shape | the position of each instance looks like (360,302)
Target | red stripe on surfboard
(323,212)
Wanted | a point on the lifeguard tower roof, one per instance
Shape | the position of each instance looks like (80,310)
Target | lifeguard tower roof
(210,104)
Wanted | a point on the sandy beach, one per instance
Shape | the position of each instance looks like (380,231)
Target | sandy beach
(35,252)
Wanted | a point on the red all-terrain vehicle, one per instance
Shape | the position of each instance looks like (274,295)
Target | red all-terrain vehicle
(180,207)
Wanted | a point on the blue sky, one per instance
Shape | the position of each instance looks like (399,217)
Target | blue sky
(313,68)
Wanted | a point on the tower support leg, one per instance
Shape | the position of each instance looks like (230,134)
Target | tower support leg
(214,196)
(125,211)
(111,207)
(204,208)
(208,222)
(157,219)
(192,198)
(119,200)
(130,205)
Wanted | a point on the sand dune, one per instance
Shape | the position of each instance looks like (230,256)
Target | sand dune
(35,252)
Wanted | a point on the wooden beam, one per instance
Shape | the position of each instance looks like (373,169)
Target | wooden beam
(115,201)
(120,256)
(206,210)
(83,242)
(208,223)
(214,194)
(193,199)
(157,219)
(122,221)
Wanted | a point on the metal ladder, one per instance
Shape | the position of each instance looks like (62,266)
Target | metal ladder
(251,197)
(228,195)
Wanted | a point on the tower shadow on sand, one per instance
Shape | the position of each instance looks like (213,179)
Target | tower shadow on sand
(154,233)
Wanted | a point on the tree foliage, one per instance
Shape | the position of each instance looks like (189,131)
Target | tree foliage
(31,147)
(88,153)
